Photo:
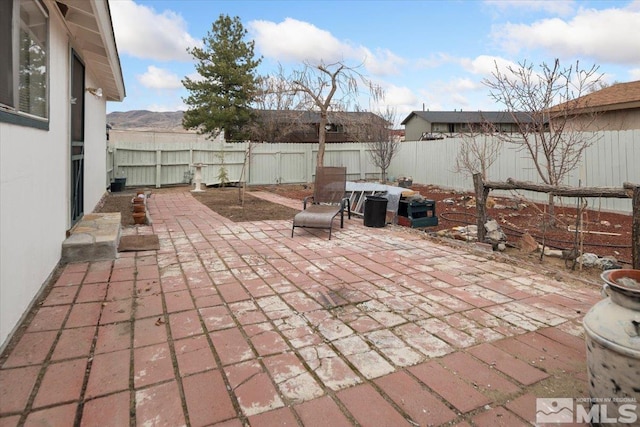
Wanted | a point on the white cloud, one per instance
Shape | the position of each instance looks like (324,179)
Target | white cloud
(163,108)
(399,95)
(610,35)
(143,33)
(195,76)
(485,65)
(460,100)
(384,63)
(435,60)
(634,74)
(293,40)
(464,84)
(564,7)
(297,41)
(158,78)
(452,95)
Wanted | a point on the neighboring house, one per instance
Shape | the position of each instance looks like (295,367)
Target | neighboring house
(59,66)
(397,135)
(427,125)
(616,107)
(303,126)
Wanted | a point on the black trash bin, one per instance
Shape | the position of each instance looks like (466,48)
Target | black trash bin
(375,211)
(118,184)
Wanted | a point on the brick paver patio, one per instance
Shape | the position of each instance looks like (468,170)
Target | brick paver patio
(239,324)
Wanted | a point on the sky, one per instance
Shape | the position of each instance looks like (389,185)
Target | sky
(431,55)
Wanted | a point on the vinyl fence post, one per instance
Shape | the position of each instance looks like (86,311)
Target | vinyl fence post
(158,168)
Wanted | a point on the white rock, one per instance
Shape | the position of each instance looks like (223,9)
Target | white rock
(553,252)
(491,225)
(587,259)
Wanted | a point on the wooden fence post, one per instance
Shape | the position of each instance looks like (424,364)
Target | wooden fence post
(481,205)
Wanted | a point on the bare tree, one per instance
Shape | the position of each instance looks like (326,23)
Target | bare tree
(383,145)
(277,110)
(326,87)
(479,149)
(554,116)
(603,85)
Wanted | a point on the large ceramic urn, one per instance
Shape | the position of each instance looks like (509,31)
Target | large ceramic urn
(612,333)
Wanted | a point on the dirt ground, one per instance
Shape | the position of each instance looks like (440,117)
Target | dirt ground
(607,234)
(225,201)
(603,233)
(229,203)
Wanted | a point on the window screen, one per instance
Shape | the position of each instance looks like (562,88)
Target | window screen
(6,53)
(24,68)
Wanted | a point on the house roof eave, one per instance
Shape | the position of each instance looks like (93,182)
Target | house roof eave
(465,117)
(620,96)
(89,23)
(409,117)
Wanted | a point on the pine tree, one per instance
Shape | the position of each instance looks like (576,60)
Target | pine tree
(220,99)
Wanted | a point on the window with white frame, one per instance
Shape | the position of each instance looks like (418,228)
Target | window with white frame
(24,66)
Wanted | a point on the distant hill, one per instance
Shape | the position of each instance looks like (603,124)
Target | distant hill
(143,120)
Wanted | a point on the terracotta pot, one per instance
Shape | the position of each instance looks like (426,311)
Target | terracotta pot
(139,217)
(138,207)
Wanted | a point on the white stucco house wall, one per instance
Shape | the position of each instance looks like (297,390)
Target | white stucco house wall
(52,136)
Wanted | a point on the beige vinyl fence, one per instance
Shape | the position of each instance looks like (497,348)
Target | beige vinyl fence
(160,159)
(612,160)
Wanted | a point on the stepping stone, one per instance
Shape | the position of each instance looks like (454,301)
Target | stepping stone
(94,238)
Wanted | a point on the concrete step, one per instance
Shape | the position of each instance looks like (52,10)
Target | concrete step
(94,238)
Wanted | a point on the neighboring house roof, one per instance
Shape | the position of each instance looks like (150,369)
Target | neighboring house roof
(90,24)
(302,126)
(312,117)
(621,96)
(466,116)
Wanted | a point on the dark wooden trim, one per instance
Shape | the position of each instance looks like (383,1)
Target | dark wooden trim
(20,120)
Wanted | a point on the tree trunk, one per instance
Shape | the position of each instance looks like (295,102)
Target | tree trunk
(551,218)
(482,193)
(322,136)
